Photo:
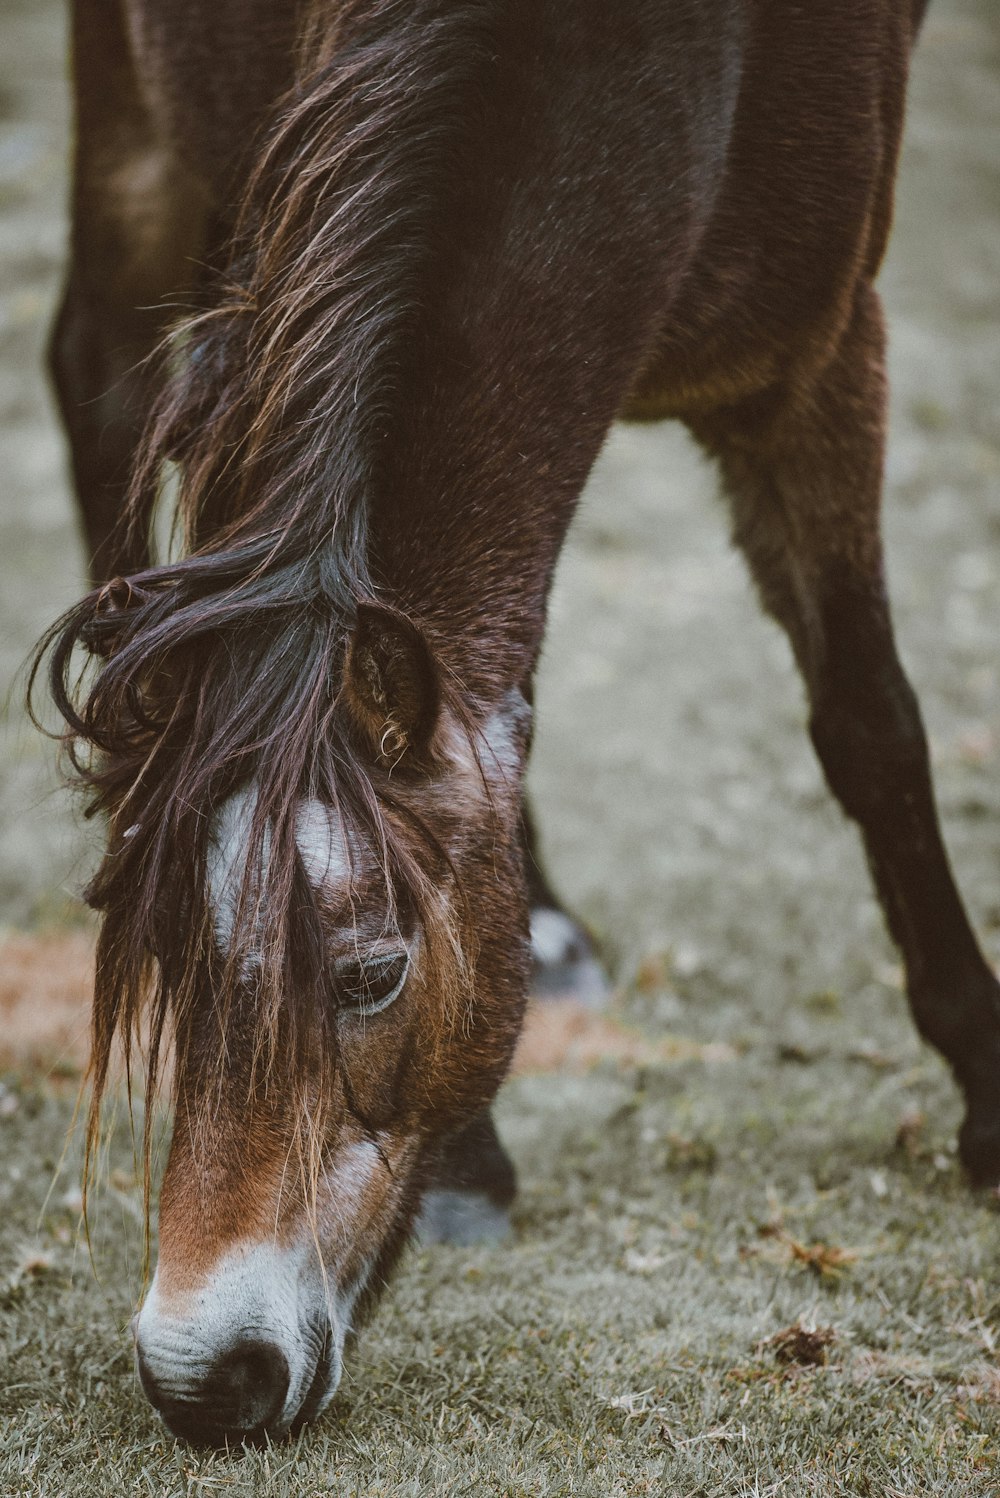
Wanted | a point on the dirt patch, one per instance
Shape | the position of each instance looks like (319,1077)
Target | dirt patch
(562,1034)
(45,986)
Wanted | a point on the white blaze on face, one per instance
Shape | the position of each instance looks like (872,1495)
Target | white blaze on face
(322,845)
(226,862)
(504,738)
(318,833)
(328,857)
(486,763)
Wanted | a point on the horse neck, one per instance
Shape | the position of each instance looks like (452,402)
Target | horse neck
(540,313)
(465,233)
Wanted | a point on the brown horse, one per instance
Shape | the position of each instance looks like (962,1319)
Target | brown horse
(434,248)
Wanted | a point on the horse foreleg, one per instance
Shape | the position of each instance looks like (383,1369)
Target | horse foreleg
(564,962)
(471,1188)
(804,477)
(138,222)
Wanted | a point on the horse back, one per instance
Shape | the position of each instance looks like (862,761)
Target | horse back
(762,133)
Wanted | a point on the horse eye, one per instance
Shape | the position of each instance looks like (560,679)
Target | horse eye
(370,986)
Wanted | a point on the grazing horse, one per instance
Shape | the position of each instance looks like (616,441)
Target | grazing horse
(430,250)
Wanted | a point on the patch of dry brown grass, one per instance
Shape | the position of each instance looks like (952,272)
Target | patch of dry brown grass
(45,987)
(564,1035)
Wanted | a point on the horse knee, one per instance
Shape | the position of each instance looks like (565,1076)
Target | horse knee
(67,352)
(92,359)
(96,368)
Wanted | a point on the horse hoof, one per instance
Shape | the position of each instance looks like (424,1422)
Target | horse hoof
(564,962)
(461,1218)
(979,1150)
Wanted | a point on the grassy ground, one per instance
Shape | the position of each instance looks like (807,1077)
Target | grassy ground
(683,1227)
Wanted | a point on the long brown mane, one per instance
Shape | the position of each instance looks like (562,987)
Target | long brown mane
(223,667)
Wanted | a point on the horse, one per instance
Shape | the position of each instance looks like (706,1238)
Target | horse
(427,251)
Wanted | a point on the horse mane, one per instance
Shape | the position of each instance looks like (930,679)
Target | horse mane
(224,666)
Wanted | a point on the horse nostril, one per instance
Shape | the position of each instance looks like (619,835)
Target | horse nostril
(241,1396)
(254,1377)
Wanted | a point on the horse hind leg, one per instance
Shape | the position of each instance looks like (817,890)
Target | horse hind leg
(138,224)
(805,481)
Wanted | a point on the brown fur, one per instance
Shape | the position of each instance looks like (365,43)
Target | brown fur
(452,240)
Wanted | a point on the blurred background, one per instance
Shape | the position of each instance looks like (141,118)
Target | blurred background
(682,813)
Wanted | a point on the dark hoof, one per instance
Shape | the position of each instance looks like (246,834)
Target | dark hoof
(460,1217)
(564,963)
(979,1149)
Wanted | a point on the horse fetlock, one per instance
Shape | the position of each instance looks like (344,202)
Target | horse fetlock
(961,1018)
(962,1021)
(461,1218)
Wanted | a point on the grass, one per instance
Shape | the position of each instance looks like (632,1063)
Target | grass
(677,1217)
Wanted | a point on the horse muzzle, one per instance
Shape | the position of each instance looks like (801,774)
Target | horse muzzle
(252,1352)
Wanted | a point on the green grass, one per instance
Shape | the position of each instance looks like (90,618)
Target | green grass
(672,1220)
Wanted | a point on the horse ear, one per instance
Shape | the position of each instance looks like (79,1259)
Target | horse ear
(391,686)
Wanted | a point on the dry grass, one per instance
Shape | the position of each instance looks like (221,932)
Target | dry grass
(676,1313)
(564,1035)
(45,986)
